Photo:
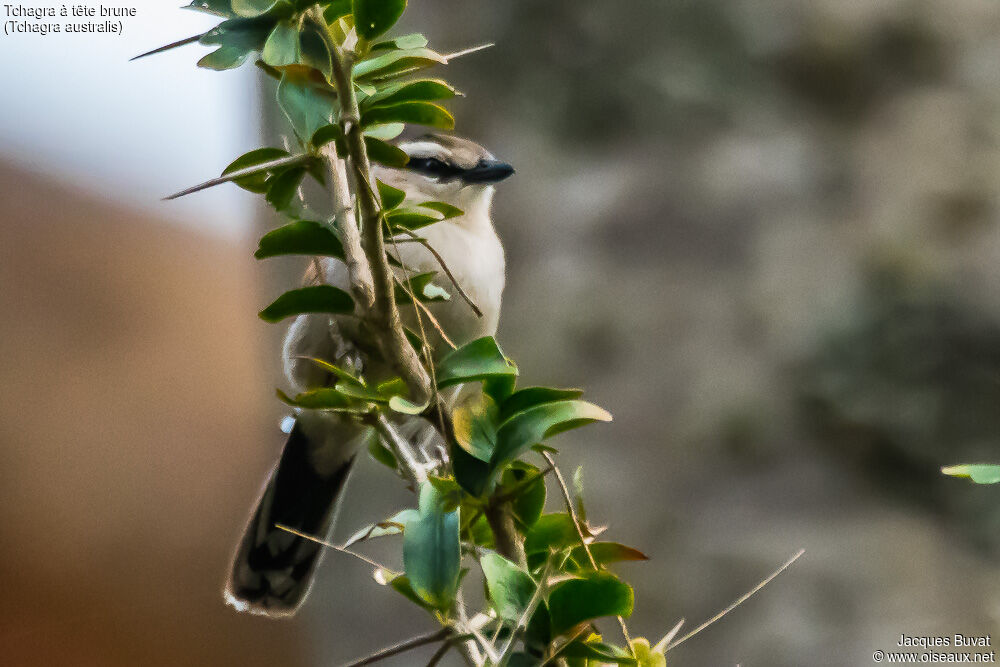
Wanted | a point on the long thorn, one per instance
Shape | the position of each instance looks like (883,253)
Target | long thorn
(447,271)
(174,45)
(465,52)
(329,545)
(402,647)
(737,603)
(289,161)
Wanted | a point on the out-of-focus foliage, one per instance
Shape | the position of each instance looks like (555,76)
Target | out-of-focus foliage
(912,381)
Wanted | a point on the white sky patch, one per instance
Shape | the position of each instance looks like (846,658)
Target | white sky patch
(75,108)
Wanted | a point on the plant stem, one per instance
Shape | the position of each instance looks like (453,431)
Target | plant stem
(422,640)
(358,269)
(383,316)
(508,542)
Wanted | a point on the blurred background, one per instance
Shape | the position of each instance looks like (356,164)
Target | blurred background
(763,234)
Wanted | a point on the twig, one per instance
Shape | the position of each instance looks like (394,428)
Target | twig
(358,269)
(330,545)
(289,161)
(434,321)
(401,448)
(447,271)
(439,654)
(383,317)
(737,603)
(522,621)
(583,539)
(402,647)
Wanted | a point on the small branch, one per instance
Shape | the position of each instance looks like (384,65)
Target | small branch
(439,654)
(434,322)
(447,271)
(737,603)
(358,269)
(404,453)
(410,644)
(383,317)
(289,161)
(500,516)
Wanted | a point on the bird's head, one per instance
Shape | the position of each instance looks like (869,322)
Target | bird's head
(449,169)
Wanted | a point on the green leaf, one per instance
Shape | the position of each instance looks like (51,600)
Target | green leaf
(374,17)
(411,218)
(394,63)
(405,406)
(384,153)
(475,426)
(530,498)
(509,586)
(472,474)
(237,39)
(336,9)
(422,288)
(531,426)
(307,108)
(282,46)
(253,8)
(598,652)
(578,600)
(283,187)
(402,585)
(478,360)
(605,553)
(431,550)
(647,656)
(384,132)
(258,182)
(226,57)
(529,397)
(217,7)
(412,41)
(313,51)
(980,473)
(382,454)
(325,398)
(391,197)
(551,532)
(418,113)
(326,134)
(445,209)
(337,372)
(315,299)
(302,237)
(420,90)
(538,634)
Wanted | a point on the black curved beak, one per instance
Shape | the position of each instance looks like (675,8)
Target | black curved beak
(487,171)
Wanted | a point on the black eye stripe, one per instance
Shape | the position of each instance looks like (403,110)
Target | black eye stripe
(432,166)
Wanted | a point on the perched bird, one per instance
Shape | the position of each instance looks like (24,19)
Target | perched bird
(273,569)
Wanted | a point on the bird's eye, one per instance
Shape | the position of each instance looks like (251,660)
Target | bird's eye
(431,166)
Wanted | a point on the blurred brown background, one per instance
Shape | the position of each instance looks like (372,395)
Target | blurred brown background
(763,234)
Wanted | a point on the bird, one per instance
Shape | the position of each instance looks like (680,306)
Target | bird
(273,569)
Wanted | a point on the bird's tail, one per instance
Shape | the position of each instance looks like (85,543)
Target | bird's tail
(273,568)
